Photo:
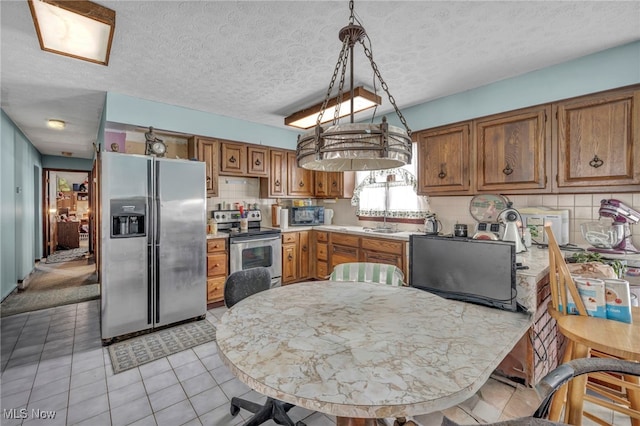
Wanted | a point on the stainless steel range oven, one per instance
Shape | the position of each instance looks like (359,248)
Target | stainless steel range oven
(252,248)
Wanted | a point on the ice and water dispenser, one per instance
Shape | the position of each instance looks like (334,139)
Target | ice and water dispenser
(128,217)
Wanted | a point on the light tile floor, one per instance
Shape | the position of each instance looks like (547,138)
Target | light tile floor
(56,372)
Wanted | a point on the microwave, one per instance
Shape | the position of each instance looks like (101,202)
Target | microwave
(306,216)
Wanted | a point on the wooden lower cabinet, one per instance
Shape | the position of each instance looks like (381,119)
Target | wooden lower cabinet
(343,248)
(217,269)
(295,256)
(321,239)
(346,248)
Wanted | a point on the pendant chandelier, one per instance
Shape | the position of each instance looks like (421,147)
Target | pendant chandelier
(354,146)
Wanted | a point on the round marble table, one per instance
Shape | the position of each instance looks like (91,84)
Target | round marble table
(362,351)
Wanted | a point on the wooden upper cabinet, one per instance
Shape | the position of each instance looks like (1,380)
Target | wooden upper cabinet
(275,186)
(257,161)
(334,184)
(244,160)
(598,140)
(207,150)
(299,180)
(443,160)
(512,151)
(233,159)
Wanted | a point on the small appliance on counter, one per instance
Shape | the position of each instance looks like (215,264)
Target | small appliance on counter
(306,216)
(328,216)
(485,209)
(535,218)
(432,226)
(612,237)
(510,218)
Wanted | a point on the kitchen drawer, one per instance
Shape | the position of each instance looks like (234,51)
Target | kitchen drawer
(322,236)
(216,245)
(217,264)
(386,246)
(345,240)
(321,251)
(215,289)
(290,238)
(322,270)
(343,254)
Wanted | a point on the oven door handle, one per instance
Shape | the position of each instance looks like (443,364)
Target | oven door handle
(237,240)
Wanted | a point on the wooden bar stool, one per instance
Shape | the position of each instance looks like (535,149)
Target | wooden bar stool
(589,336)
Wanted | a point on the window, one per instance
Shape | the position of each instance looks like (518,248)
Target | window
(390,193)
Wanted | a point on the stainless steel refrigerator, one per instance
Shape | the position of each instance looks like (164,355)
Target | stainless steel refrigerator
(153,242)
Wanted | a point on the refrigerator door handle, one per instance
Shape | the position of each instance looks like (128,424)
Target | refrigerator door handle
(149,284)
(156,234)
(157,266)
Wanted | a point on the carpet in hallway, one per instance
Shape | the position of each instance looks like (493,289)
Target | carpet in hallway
(140,350)
(67,255)
(51,285)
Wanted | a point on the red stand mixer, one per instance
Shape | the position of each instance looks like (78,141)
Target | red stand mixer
(613,237)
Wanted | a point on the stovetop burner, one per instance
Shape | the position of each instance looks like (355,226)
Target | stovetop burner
(251,232)
(229,222)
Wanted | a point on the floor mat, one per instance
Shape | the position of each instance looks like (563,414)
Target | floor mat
(67,255)
(140,350)
(34,301)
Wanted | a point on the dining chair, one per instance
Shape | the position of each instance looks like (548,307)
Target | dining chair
(619,393)
(558,378)
(238,286)
(368,272)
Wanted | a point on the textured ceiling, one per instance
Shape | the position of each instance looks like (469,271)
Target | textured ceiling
(262,60)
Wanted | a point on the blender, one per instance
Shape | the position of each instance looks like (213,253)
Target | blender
(615,237)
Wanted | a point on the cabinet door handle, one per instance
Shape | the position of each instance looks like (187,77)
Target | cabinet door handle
(596,162)
(442,173)
(334,184)
(208,179)
(304,248)
(277,183)
(257,162)
(232,159)
(290,257)
(301,184)
(320,185)
(507,170)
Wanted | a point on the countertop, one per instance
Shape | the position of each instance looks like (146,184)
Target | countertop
(340,347)
(357,230)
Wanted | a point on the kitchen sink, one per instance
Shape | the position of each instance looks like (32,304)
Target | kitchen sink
(385,230)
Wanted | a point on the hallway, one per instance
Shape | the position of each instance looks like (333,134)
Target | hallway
(54,284)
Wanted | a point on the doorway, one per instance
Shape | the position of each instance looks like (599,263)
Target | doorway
(67,203)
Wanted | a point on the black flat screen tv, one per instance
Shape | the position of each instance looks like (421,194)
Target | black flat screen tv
(476,271)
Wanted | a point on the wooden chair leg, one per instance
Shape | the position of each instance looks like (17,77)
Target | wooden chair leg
(634,398)
(575,399)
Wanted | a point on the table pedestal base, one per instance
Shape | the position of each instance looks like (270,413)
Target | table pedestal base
(350,421)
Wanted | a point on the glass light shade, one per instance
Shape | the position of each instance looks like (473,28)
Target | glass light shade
(79,29)
(307,118)
(354,146)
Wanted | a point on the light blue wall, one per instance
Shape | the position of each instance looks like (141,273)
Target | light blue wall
(20,206)
(140,112)
(66,163)
(609,69)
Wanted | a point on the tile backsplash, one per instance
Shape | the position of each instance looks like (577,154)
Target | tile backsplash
(582,208)
(450,210)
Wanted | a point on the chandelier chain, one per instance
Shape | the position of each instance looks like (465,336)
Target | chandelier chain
(336,112)
(343,52)
(369,55)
